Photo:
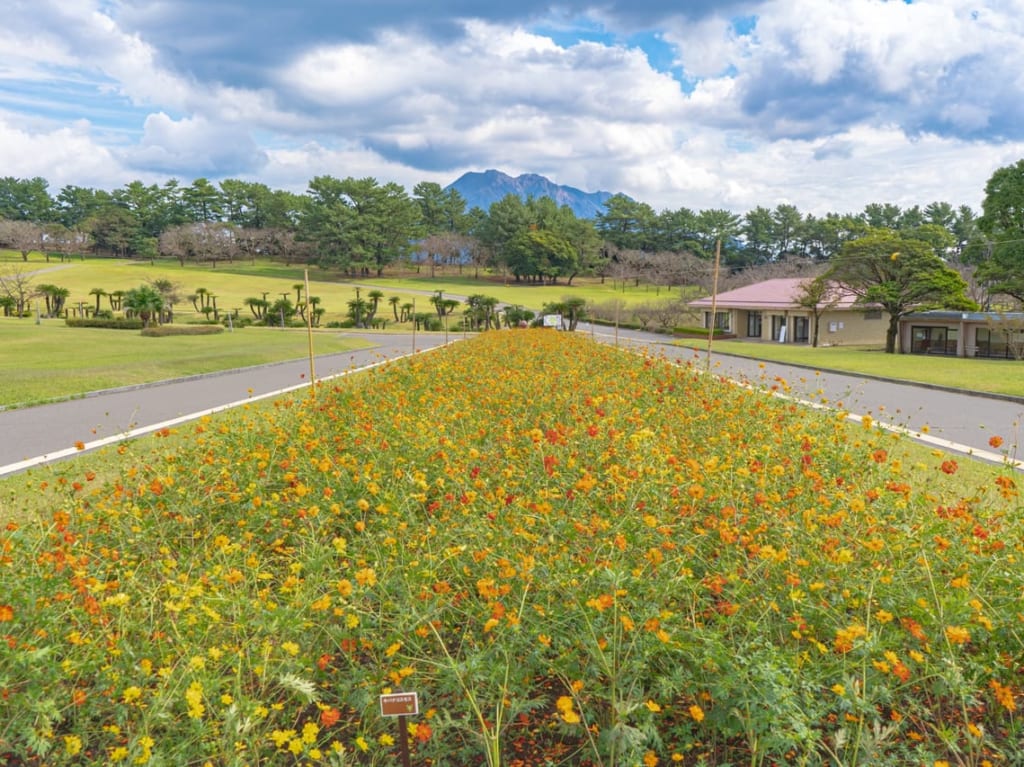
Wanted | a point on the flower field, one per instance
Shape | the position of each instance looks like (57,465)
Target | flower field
(574,555)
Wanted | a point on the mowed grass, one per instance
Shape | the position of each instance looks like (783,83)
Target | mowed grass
(234,283)
(1004,377)
(51,361)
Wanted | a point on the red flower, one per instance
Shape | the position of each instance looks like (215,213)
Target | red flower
(949,467)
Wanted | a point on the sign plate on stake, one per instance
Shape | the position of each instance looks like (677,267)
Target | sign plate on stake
(400,704)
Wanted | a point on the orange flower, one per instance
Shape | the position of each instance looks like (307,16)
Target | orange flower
(6,613)
(995,441)
(329,716)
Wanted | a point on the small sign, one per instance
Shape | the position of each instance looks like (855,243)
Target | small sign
(400,704)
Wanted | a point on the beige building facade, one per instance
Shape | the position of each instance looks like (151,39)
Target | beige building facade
(771,311)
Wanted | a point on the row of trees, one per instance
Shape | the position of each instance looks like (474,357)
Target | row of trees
(362,227)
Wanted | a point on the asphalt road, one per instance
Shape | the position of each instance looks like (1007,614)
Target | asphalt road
(949,419)
(36,435)
(945,418)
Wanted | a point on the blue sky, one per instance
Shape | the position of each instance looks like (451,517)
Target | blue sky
(824,104)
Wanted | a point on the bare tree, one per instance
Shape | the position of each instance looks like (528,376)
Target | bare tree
(22,236)
(16,286)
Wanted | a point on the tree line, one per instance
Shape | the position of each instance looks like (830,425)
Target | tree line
(362,226)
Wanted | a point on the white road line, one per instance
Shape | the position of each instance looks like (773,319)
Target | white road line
(13,468)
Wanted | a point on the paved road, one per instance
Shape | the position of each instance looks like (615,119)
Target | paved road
(948,419)
(33,435)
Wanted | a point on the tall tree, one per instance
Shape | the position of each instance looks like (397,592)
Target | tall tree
(899,275)
(1002,220)
(626,223)
(203,201)
(26,199)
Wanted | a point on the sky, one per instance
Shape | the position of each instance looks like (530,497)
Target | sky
(828,105)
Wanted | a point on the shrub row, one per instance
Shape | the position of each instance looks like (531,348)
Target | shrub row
(159,331)
(113,323)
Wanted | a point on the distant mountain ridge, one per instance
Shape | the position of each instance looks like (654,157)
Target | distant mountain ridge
(483,189)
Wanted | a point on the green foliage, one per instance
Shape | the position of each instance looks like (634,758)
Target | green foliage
(1002,221)
(115,323)
(899,274)
(163,331)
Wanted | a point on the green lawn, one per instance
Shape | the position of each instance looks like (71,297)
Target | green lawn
(233,283)
(995,376)
(49,361)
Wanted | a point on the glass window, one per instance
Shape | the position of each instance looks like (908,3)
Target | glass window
(754,324)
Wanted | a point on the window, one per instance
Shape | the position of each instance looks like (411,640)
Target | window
(933,340)
(721,320)
(754,324)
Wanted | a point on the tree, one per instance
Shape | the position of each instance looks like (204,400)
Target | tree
(626,223)
(1002,220)
(22,236)
(98,293)
(114,229)
(358,224)
(145,301)
(898,274)
(440,210)
(16,289)
(25,199)
(55,296)
(818,296)
(542,255)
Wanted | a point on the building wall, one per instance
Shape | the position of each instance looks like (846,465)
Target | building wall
(838,328)
(843,328)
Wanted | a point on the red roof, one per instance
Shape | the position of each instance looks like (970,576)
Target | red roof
(780,293)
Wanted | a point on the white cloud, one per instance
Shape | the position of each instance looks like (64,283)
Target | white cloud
(195,144)
(828,104)
(62,156)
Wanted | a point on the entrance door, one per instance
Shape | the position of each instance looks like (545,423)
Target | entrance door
(801,329)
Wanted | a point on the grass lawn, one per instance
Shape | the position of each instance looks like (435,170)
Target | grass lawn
(49,361)
(994,376)
(233,283)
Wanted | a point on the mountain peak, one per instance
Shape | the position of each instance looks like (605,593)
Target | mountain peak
(483,189)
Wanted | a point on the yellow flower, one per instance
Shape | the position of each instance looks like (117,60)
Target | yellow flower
(565,708)
(361,744)
(290,647)
(839,690)
(697,713)
(652,706)
(650,759)
(131,694)
(309,732)
(72,745)
(958,635)
(281,737)
(194,699)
